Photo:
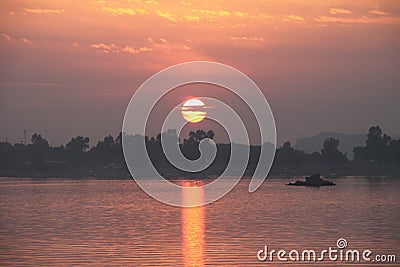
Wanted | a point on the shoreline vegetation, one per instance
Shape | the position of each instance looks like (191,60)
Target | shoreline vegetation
(379,157)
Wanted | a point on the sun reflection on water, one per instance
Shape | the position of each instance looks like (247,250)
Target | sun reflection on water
(192,224)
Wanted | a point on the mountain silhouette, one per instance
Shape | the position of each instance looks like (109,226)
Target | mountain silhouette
(347,142)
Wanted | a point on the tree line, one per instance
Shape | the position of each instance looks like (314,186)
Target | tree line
(379,152)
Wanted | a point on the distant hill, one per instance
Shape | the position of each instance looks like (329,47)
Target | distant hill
(347,142)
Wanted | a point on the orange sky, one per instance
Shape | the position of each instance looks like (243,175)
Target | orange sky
(82,60)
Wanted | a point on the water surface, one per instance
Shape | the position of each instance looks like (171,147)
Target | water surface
(112,222)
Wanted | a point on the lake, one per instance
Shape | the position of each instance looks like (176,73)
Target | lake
(112,222)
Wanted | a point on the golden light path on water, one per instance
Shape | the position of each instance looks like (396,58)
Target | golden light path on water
(192,224)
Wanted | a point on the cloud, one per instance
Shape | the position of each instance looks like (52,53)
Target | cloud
(113,94)
(246,38)
(224,13)
(214,13)
(145,49)
(167,15)
(206,12)
(359,20)
(239,14)
(26,41)
(151,2)
(192,18)
(148,44)
(141,11)
(43,11)
(12,39)
(31,84)
(130,49)
(113,48)
(339,11)
(378,12)
(104,48)
(293,18)
(119,11)
(194,15)
(7,37)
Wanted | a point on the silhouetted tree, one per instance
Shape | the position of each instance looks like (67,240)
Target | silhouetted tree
(104,149)
(78,144)
(38,140)
(192,137)
(118,139)
(331,153)
(76,147)
(393,152)
(210,134)
(200,135)
(39,148)
(190,147)
(7,153)
(287,155)
(375,149)
(118,147)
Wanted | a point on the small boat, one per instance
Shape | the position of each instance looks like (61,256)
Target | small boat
(313,180)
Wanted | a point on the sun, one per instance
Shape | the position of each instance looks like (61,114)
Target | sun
(193,110)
